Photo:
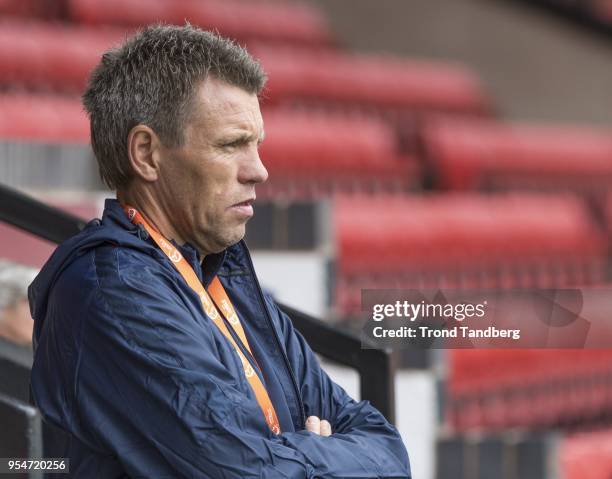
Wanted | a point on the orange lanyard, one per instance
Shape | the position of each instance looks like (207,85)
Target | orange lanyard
(214,307)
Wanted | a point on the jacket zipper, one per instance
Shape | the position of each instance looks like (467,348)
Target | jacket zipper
(278,342)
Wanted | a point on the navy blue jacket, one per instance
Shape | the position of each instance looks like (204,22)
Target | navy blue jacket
(147,386)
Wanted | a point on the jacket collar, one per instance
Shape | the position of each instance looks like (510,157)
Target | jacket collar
(230,261)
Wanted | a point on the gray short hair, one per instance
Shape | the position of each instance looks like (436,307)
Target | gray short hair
(151,79)
(14,282)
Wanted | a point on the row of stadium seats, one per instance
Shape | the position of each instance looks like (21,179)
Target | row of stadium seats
(284,22)
(272,21)
(480,372)
(464,240)
(42,56)
(309,155)
(500,389)
(388,234)
(42,118)
(493,155)
(339,79)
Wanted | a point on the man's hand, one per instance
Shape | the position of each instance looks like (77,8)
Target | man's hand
(318,426)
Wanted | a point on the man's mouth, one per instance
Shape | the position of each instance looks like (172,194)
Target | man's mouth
(244,207)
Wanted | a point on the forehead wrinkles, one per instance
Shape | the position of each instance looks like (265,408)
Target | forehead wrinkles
(226,110)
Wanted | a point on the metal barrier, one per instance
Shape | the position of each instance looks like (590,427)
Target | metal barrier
(375,367)
(33,216)
(21,434)
(581,13)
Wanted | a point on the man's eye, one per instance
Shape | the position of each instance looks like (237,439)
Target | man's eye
(233,144)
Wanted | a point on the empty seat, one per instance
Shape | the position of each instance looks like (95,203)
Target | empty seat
(586,455)
(287,22)
(42,118)
(479,154)
(461,230)
(529,388)
(51,57)
(369,80)
(464,240)
(31,8)
(331,153)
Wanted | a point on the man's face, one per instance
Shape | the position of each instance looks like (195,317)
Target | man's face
(16,323)
(207,185)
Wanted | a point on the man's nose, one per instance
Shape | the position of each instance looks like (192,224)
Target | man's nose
(253,170)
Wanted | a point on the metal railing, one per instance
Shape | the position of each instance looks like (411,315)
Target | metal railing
(580,13)
(375,367)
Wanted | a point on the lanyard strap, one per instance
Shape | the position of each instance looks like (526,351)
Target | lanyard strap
(214,307)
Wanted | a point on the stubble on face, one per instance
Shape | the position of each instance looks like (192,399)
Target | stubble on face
(205,183)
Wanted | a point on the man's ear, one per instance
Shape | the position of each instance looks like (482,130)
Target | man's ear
(144,152)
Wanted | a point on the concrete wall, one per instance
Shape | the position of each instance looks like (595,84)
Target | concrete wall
(535,65)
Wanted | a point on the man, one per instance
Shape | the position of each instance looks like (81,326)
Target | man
(15,321)
(156,348)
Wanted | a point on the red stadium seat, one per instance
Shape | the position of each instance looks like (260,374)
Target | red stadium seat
(31,8)
(51,57)
(369,81)
(464,240)
(43,118)
(586,455)
(461,229)
(331,153)
(534,388)
(479,154)
(287,22)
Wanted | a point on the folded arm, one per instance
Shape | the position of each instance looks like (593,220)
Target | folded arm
(363,442)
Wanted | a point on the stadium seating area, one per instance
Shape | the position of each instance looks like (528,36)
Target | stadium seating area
(491,155)
(465,240)
(497,390)
(428,186)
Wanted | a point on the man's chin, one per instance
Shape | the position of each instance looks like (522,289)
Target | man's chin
(229,240)
(239,237)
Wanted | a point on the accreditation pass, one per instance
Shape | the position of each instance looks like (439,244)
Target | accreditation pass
(26,465)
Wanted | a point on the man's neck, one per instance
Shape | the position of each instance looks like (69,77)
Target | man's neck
(152,212)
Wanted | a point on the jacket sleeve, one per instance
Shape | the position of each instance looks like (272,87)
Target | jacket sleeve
(151,391)
(363,443)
